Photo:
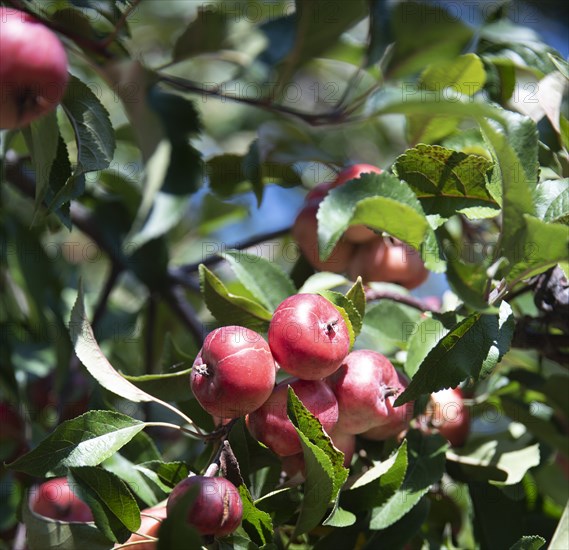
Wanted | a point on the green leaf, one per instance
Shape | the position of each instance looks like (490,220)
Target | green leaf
(230,309)
(90,354)
(464,75)
(539,246)
(561,64)
(561,534)
(324,280)
(58,178)
(379,201)
(498,520)
(470,350)
(42,533)
(230,174)
(410,102)
(263,278)
(173,386)
(173,172)
(426,466)
(534,542)
(165,474)
(347,309)
(316,29)
(145,490)
(403,530)
(378,484)
(42,138)
(257,523)
(424,35)
(91,125)
(552,201)
(325,472)
(447,181)
(390,323)
(114,508)
(515,189)
(499,459)
(206,33)
(86,440)
(424,337)
(468,281)
(357,296)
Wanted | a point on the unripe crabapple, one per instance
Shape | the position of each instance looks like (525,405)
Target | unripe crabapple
(33,71)
(217,509)
(271,425)
(234,372)
(308,336)
(366,385)
(55,499)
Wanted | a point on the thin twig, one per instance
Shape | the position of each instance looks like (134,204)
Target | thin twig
(120,23)
(372,295)
(318,119)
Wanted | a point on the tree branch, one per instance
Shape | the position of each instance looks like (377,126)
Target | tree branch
(180,273)
(23,180)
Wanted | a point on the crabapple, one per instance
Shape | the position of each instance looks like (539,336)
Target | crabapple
(55,499)
(234,372)
(33,72)
(271,425)
(308,336)
(217,509)
(355,171)
(450,416)
(305,233)
(389,261)
(150,522)
(365,385)
(357,233)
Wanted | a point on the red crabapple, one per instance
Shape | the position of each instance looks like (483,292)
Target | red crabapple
(55,499)
(366,385)
(448,413)
(234,372)
(217,509)
(308,336)
(33,71)
(271,425)
(390,261)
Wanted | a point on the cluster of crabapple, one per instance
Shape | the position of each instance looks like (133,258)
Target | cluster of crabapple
(360,251)
(33,72)
(234,375)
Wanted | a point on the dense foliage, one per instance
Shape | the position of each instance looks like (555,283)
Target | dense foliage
(138,217)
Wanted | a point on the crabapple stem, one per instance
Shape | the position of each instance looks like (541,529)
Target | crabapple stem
(212,469)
